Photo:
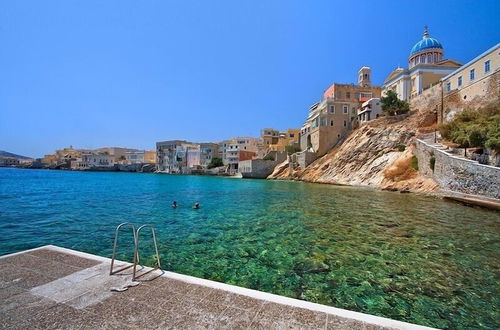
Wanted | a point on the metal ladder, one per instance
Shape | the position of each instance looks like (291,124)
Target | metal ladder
(136,250)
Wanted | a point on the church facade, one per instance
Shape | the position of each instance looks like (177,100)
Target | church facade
(426,66)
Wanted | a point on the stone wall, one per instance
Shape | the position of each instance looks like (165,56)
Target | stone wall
(256,168)
(260,168)
(457,174)
(430,99)
(478,94)
(303,158)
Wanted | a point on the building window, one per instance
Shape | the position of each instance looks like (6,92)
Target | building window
(345,109)
(292,135)
(429,58)
(332,109)
(487,66)
(331,122)
(345,123)
(448,87)
(338,94)
(459,81)
(472,74)
(348,95)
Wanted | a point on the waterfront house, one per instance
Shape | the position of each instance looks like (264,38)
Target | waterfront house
(274,140)
(140,157)
(229,149)
(208,151)
(285,139)
(172,156)
(93,159)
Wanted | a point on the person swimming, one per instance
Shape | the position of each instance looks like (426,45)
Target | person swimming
(174,204)
(196,206)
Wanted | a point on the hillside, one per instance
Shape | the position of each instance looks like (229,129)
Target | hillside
(372,155)
(9,154)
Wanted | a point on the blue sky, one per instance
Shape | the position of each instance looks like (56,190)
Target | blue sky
(130,73)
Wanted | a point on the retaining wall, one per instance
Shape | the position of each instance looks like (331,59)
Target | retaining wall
(457,174)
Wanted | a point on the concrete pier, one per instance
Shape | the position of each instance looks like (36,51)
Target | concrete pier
(57,288)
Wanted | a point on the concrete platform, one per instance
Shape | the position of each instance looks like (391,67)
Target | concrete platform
(57,288)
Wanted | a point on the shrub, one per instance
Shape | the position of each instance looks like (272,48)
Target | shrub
(268,157)
(215,162)
(432,163)
(414,163)
(401,147)
(291,149)
(474,128)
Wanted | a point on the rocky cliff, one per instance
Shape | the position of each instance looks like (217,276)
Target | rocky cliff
(377,154)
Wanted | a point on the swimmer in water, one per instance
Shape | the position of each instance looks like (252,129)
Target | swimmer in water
(196,206)
(174,204)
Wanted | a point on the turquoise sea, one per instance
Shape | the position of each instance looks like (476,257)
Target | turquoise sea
(403,256)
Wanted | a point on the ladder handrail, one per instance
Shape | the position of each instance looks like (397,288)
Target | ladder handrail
(153,233)
(136,257)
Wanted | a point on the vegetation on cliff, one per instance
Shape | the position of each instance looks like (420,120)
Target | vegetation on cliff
(392,105)
(475,128)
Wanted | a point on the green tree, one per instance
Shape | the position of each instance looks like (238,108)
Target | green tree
(268,157)
(215,162)
(392,105)
(291,149)
(461,137)
(493,136)
(477,135)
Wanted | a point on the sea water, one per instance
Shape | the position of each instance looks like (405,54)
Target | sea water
(403,256)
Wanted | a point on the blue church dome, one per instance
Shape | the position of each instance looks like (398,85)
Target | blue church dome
(426,43)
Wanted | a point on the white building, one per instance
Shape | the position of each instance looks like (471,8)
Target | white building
(90,159)
(369,110)
(228,148)
(193,154)
(426,66)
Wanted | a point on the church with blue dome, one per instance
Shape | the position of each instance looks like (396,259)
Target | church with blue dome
(426,66)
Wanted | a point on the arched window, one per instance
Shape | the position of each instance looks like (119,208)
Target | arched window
(422,58)
(429,58)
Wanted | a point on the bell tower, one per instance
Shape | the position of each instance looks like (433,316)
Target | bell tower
(364,77)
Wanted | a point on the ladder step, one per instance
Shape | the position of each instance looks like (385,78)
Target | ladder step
(136,250)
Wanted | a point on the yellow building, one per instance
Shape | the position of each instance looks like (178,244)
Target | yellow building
(285,139)
(426,66)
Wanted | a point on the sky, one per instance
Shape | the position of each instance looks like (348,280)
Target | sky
(130,73)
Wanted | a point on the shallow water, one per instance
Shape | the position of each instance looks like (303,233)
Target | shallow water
(412,258)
